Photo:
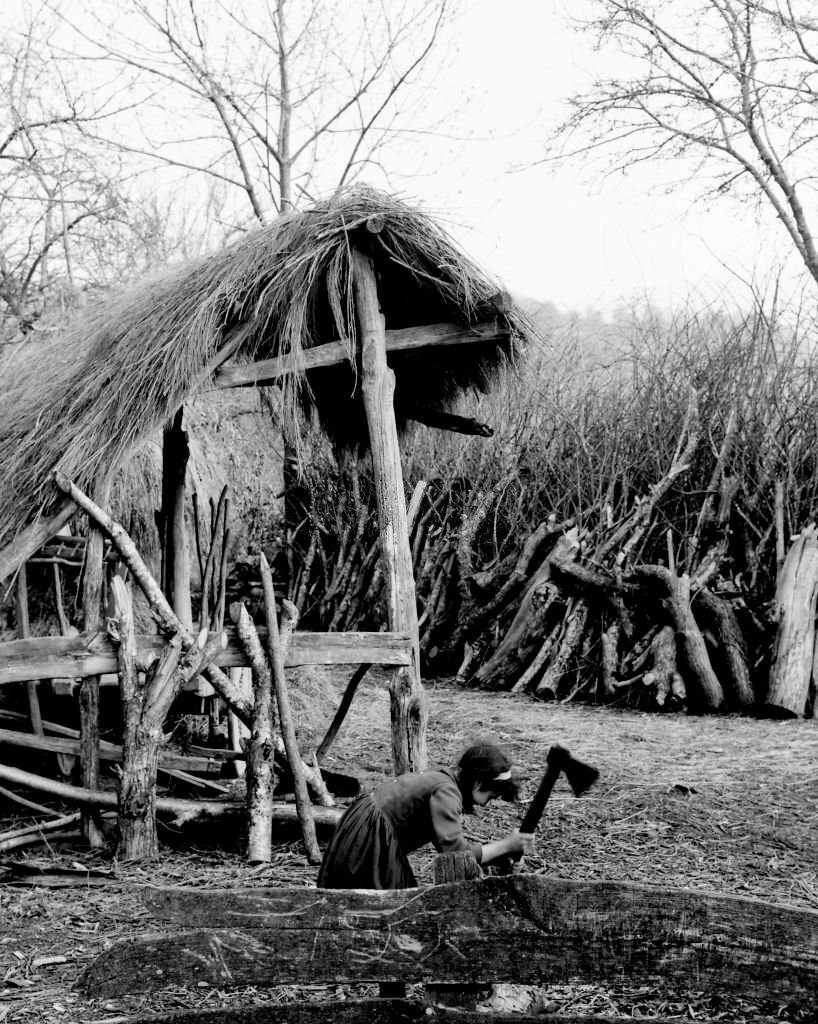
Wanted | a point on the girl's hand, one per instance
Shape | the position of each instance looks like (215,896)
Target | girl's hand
(520,843)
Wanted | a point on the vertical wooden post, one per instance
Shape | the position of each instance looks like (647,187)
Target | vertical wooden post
(409,705)
(93,581)
(23,631)
(176,559)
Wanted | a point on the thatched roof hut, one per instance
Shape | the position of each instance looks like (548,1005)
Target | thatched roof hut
(120,371)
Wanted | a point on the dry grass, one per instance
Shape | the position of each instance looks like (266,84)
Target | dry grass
(722,805)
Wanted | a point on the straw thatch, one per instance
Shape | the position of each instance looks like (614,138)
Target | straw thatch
(122,368)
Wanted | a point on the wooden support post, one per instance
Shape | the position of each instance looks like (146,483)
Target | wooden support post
(24,631)
(409,705)
(93,580)
(176,561)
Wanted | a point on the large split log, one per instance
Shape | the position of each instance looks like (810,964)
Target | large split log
(690,643)
(795,603)
(525,633)
(464,931)
(729,638)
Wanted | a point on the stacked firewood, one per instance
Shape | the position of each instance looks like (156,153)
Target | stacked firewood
(679,595)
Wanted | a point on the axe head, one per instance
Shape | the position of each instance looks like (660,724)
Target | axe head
(580,776)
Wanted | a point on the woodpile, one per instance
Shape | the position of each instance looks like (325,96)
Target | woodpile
(611,605)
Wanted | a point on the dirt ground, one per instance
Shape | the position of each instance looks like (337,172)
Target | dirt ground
(724,805)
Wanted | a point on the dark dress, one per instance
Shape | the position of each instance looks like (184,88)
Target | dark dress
(369,846)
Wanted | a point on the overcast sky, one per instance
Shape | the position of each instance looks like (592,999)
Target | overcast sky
(573,235)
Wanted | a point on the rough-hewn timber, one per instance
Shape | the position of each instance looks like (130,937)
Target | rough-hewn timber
(463,932)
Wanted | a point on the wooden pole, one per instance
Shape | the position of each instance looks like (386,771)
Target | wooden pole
(285,717)
(93,581)
(409,705)
(176,559)
(24,631)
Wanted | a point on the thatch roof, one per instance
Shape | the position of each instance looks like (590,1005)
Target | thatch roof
(122,368)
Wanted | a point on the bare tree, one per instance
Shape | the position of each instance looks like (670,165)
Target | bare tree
(70,217)
(275,101)
(727,87)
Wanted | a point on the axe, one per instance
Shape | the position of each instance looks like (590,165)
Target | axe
(580,778)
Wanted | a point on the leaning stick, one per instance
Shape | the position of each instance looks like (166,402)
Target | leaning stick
(340,714)
(168,620)
(276,659)
(28,804)
(35,833)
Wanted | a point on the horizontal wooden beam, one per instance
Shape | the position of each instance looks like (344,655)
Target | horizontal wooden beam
(268,371)
(55,657)
(168,759)
(525,929)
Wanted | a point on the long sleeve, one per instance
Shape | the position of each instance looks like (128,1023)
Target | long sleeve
(445,809)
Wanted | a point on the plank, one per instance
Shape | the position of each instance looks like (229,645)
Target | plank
(268,371)
(50,657)
(371,1011)
(519,928)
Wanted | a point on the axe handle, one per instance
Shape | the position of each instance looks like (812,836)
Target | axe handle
(536,808)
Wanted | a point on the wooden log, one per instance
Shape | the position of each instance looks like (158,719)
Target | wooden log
(275,656)
(663,674)
(206,763)
(32,538)
(36,833)
(24,632)
(449,421)
(50,657)
(462,932)
(732,646)
(525,633)
(690,642)
(560,665)
(333,353)
(141,735)
(175,555)
(178,810)
(795,603)
(609,661)
(408,704)
(260,750)
(93,586)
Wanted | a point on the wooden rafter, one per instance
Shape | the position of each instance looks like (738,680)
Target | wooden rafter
(333,353)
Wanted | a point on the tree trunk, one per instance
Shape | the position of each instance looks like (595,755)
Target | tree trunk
(137,798)
(408,702)
(93,583)
(260,772)
(795,602)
